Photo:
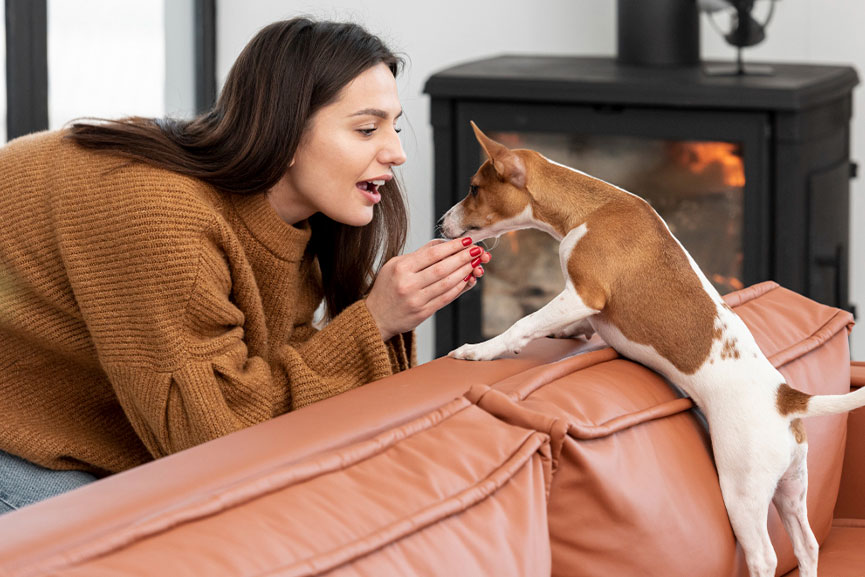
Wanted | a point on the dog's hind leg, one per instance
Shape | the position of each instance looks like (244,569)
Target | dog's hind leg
(791,501)
(748,506)
(750,462)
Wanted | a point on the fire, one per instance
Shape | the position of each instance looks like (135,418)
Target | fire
(513,241)
(700,157)
(729,281)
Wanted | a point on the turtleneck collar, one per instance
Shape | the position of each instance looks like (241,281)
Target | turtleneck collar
(286,241)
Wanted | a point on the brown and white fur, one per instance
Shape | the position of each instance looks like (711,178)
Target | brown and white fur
(629,279)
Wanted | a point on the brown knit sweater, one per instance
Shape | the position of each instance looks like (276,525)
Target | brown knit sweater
(142,312)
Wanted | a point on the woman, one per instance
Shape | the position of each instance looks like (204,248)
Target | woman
(158,279)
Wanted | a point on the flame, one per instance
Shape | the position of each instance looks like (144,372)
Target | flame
(701,157)
(513,240)
(729,281)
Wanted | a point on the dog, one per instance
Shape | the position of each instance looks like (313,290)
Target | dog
(631,281)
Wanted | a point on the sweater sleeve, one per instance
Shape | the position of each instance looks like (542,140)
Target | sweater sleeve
(345,353)
(402,351)
(225,378)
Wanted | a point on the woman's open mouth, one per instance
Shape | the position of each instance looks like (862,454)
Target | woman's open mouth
(369,188)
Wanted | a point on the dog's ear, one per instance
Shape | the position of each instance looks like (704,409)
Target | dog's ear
(508,165)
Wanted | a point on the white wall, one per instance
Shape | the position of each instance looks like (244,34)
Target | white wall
(435,35)
(87,79)
(179,58)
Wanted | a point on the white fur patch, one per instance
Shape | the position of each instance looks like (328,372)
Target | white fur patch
(567,245)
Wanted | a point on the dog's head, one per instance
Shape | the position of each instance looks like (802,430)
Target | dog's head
(498,200)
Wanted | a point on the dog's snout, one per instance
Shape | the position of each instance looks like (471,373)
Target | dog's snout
(451,227)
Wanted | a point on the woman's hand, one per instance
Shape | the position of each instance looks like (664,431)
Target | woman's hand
(411,287)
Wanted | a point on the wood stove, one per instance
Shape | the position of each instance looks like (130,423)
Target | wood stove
(751,173)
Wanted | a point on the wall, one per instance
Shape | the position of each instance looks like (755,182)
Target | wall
(179,59)
(437,35)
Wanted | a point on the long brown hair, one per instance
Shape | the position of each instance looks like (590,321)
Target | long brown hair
(284,75)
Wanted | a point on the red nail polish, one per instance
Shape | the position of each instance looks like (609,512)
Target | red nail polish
(481,269)
(476,262)
(467,278)
(467,241)
(476,251)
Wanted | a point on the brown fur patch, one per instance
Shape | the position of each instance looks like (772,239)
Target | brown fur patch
(730,351)
(576,196)
(630,267)
(798,430)
(790,401)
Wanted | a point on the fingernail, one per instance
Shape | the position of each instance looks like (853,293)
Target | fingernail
(467,241)
(467,278)
(476,251)
(476,262)
(481,269)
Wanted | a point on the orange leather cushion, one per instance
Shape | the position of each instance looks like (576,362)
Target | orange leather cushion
(431,497)
(842,554)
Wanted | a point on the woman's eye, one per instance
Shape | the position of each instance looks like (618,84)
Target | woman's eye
(366,131)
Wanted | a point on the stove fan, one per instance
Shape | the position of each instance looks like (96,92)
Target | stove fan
(744,31)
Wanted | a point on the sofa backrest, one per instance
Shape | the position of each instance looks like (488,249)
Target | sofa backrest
(567,460)
(428,497)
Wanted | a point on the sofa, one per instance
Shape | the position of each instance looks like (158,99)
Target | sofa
(565,460)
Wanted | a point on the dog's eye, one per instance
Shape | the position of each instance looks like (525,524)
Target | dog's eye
(473,190)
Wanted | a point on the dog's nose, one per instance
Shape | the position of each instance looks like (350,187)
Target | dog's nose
(450,228)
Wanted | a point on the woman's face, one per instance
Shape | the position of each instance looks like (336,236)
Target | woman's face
(345,154)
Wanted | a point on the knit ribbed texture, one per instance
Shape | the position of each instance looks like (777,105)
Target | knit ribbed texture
(142,313)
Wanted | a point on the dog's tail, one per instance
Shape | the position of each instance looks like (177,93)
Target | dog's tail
(795,403)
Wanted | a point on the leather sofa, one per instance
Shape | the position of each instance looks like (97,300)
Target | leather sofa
(565,460)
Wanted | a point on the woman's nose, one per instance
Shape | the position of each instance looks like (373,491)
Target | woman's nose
(392,153)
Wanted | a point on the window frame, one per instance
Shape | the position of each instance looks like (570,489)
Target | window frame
(27,63)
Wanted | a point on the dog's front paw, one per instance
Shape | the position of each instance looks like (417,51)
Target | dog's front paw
(485,351)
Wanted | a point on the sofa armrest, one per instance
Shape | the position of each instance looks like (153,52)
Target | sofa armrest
(851,499)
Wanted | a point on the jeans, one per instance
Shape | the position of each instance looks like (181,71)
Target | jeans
(23,483)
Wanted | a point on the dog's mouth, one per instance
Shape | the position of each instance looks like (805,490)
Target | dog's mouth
(468,230)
